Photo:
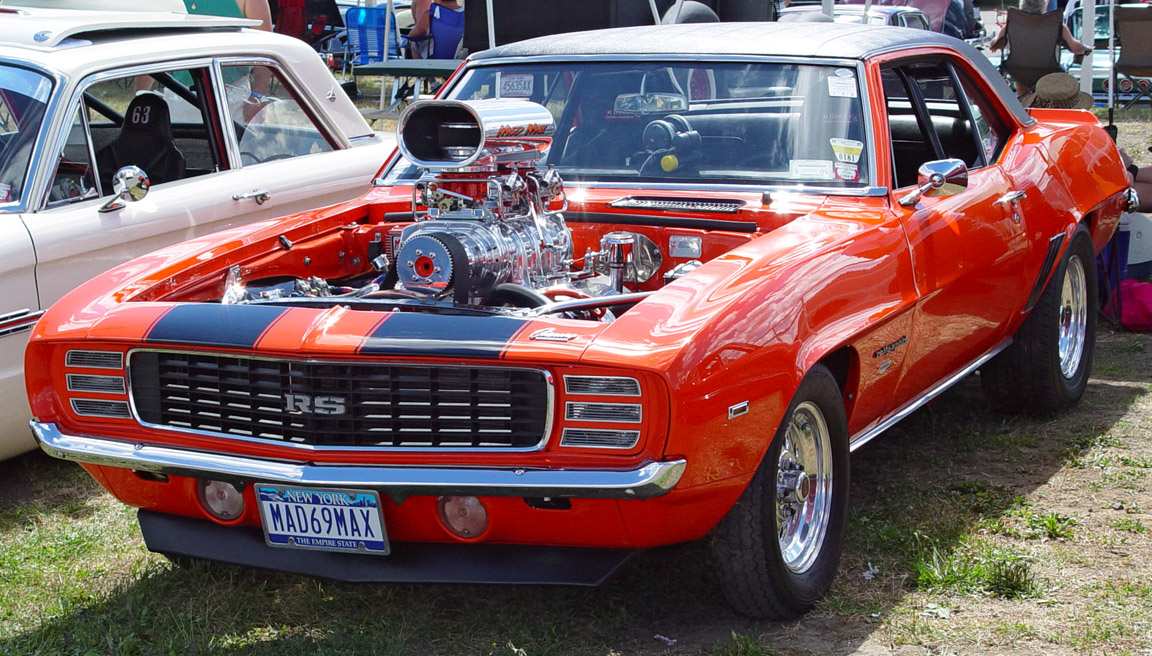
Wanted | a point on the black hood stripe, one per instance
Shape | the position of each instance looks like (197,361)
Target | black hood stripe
(208,324)
(435,335)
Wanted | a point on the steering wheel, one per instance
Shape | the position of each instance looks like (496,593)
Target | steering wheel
(670,144)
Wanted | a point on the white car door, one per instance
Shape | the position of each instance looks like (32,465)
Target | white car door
(192,191)
(284,142)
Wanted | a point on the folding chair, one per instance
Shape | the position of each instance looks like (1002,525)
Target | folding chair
(1033,46)
(366,40)
(1134,31)
(445,29)
(366,45)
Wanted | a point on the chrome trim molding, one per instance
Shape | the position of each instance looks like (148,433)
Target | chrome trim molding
(18,322)
(549,418)
(652,479)
(862,438)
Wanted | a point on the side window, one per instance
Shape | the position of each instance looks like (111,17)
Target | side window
(991,129)
(75,177)
(949,118)
(155,122)
(911,144)
(270,123)
(928,119)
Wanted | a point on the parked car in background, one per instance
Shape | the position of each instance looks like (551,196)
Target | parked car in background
(85,93)
(877,15)
(624,289)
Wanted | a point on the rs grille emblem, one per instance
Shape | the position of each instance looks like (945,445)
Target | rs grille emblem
(299,404)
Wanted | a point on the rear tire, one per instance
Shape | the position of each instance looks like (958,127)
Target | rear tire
(777,550)
(1046,367)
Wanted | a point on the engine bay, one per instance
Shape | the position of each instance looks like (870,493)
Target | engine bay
(488,232)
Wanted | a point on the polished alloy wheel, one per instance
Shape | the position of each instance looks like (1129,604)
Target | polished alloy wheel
(803,487)
(1073,317)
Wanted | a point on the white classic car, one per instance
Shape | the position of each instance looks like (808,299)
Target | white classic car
(226,124)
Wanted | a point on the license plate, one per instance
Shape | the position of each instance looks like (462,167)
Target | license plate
(328,520)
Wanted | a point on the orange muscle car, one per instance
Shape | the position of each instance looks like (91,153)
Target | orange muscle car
(618,289)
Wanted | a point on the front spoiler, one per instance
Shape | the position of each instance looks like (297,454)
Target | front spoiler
(653,479)
(408,562)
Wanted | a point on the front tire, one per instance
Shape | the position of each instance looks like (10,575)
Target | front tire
(777,550)
(1046,368)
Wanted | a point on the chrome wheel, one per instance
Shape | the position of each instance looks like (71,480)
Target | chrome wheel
(803,487)
(1073,317)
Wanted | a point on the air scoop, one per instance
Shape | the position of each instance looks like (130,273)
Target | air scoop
(478,134)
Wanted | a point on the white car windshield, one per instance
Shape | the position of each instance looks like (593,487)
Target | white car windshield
(690,122)
(24,96)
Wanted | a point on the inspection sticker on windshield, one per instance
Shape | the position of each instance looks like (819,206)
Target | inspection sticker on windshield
(847,172)
(842,87)
(328,520)
(847,150)
(516,86)
(810,169)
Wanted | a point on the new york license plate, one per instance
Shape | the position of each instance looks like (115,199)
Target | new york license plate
(329,520)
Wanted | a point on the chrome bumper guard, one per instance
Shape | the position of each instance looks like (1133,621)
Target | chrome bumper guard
(653,479)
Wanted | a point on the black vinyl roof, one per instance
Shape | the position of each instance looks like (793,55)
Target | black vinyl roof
(799,39)
(839,40)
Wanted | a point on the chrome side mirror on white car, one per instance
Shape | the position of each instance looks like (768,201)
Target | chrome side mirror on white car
(130,184)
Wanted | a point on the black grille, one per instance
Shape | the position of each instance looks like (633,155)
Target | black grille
(341,404)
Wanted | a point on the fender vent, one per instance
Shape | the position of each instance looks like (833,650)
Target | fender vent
(718,206)
(1054,245)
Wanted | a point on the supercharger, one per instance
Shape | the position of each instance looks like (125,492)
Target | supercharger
(488,219)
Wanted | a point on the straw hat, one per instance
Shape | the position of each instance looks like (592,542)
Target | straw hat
(1057,91)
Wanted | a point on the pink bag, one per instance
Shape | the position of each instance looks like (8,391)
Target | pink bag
(1135,305)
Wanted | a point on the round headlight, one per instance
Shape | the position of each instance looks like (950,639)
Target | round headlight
(222,500)
(464,516)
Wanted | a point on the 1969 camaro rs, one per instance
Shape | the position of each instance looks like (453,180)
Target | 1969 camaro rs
(620,289)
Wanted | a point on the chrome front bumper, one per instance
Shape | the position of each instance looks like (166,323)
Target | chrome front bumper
(653,479)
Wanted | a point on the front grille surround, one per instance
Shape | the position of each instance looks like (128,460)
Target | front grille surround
(546,384)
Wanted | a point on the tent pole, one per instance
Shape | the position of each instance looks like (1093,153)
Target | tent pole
(1111,60)
(491,25)
(1088,27)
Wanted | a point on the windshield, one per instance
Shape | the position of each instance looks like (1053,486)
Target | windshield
(689,122)
(23,97)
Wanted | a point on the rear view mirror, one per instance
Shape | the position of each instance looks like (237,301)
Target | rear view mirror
(650,103)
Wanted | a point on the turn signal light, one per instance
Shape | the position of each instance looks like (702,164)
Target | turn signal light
(465,516)
(222,500)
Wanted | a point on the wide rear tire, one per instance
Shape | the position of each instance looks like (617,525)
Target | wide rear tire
(778,549)
(1046,367)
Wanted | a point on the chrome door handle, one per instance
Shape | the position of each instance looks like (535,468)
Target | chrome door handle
(259,195)
(1012,197)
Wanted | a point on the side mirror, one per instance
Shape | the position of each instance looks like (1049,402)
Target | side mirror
(945,177)
(130,184)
